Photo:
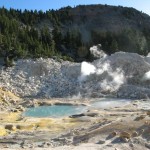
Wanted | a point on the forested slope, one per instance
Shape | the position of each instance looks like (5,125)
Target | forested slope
(68,33)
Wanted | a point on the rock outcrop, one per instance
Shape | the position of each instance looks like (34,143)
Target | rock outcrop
(122,74)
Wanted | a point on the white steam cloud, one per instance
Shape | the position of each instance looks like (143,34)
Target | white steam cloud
(112,79)
(102,76)
(86,70)
(146,76)
(97,52)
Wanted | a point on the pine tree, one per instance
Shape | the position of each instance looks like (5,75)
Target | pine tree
(114,45)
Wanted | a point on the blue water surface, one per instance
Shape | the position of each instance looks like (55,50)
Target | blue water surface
(57,111)
(53,111)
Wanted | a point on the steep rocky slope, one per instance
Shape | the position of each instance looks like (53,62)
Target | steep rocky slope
(121,74)
(102,18)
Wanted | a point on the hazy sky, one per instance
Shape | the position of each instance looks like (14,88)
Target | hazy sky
(142,5)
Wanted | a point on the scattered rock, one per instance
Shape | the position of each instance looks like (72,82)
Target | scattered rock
(92,114)
(10,127)
(146,123)
(114,133)
(125,135)
(134,134)
(141,131)
(147,145)
(109,145)
(50,78)
(18,127)
(148,113)
(100,142)
(20,108)
(131,145)
(77,115)
(125,139)
(45,144)
(140,117)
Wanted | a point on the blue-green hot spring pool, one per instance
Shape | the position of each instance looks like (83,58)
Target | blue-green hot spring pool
(54,111)
(57,111)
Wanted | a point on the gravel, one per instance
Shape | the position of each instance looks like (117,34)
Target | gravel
(119,75)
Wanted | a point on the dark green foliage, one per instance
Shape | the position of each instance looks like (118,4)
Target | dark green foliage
(126,40)
(18,31)
(23,34)
(57,36)
(73,39)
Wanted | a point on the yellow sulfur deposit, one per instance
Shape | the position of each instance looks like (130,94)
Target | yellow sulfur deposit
(3,131)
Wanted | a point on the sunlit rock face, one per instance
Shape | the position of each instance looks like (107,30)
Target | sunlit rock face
(124,75)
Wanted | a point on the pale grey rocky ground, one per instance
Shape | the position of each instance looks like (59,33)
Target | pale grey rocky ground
(96,132)
(124,75)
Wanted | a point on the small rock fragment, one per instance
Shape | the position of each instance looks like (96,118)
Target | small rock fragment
(125,135)
(140,117)
(114,133)
(131,145)
(147,145)
(101,142)
(125,140)
(134,134)
(148,113)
